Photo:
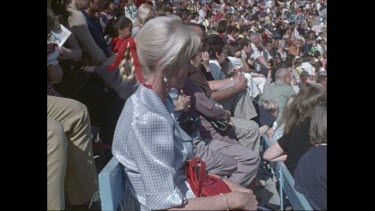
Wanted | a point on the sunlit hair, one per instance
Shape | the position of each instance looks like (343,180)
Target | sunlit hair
(163,43)
(318,127)
(270,105)
(303,105)
(144,13)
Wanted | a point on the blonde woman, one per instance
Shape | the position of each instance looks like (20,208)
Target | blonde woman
(145,12)
(148,141)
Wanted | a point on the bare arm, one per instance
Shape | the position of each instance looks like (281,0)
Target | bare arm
(280,158)
(262,60)
(224,94)
(273,152)
(236,200)
(240,84)
(215,85)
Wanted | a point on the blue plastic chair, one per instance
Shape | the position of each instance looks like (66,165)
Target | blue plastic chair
(111,185)
(296,199)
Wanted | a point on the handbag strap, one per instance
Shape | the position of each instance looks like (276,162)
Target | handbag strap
(193,163)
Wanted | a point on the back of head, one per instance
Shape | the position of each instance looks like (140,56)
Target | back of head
(243,42)
(144,13)
(303,105)
(307,58)
(216,45)
(304,75)
(318,127)
(222,26)
(254,36)
(321,76)
(165,43)
(281,74)
(123,22)
(234,49)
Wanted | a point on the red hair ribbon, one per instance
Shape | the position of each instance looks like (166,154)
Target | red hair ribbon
(133,52)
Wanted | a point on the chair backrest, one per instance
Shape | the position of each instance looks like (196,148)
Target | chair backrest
(296,199)
(111,185)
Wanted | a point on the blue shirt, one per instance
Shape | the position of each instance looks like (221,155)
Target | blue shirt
(96,32)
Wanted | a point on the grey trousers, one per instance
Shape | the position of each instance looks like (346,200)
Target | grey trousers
(235,161)
(241,104)
(247,133)
(70,162)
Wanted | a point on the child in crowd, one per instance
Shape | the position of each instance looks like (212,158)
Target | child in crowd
(123,29)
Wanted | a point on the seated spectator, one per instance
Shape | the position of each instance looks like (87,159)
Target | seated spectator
(148,141)
(217,56)
(308,66)
(322,78)
(106,14)
(130,10)
(267,114)
(297,117)
(82,82)
(234,95)
(70,162)
(245,130)
(222,158)
(123,30)
(144,13)
(304,79)
(311,171)
(93,23)
(279,91)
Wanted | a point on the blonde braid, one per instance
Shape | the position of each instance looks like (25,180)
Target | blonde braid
(126,72)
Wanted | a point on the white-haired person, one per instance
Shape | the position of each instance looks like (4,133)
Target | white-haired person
(144,13)
(148,141)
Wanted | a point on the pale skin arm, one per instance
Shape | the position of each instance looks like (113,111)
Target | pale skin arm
(280,158)
(275,151)
(224,94)
(240,83)
(215,85)
(264,62)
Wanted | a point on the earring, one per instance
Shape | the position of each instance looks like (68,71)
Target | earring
(165,79)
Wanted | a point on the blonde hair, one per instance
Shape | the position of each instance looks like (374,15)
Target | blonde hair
(270,106)
(303,105)
(144,13)
(164,43)
(318,127)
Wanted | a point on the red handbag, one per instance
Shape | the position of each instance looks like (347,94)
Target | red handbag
(201,184)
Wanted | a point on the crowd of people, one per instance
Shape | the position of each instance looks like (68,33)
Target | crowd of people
(166,81)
